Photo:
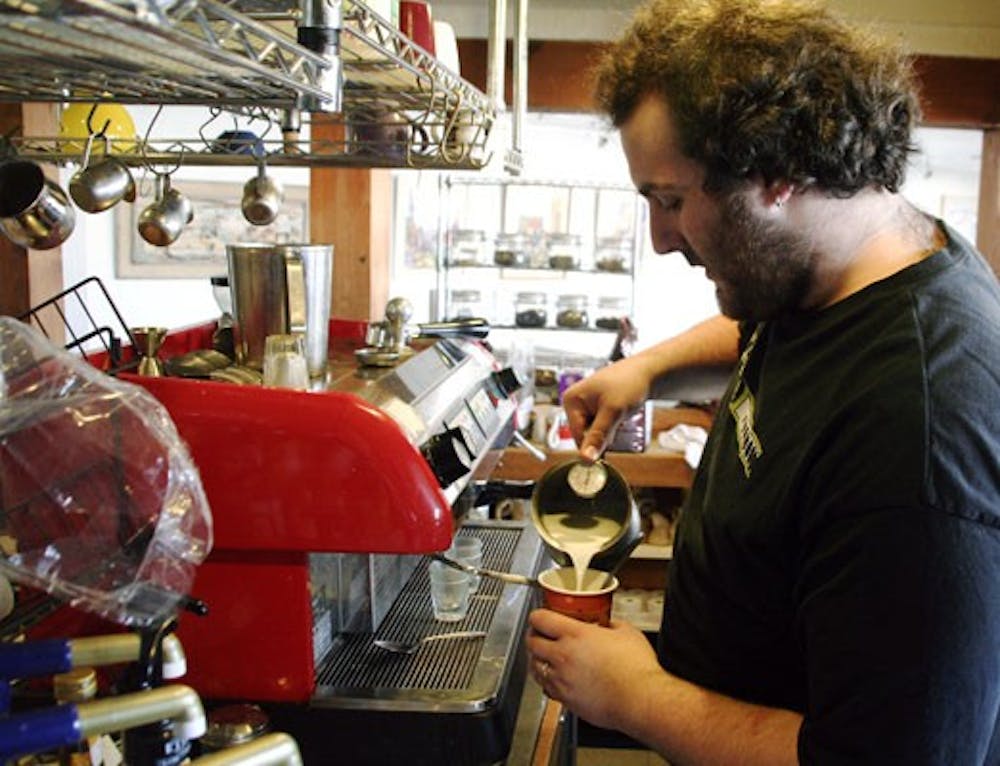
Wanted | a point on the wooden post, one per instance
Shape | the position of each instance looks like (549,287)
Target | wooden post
(352,209)
(988,226)
(29,277)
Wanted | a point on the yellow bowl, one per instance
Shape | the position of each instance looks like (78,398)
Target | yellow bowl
(121,128)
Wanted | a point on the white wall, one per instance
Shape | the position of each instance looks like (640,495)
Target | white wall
(958,28)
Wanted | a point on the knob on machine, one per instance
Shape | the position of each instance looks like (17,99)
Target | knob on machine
(448,455)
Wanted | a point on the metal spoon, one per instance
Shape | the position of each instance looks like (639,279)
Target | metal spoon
(505,576)
(404,647)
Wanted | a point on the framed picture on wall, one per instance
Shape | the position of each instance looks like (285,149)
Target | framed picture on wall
(200,250)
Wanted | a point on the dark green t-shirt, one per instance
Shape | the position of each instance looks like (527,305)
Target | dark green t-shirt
(839,553)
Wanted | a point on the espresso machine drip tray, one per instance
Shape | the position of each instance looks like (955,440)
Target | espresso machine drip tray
(452,702)
(454,676)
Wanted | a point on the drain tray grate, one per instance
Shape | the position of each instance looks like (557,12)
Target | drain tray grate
(463,675)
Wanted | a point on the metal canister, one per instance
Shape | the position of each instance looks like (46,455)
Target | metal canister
(577,498)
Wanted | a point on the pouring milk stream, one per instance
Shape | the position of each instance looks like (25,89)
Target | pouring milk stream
(585,513)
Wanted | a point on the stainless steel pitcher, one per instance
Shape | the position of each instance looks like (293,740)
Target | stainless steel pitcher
(575,495)
(281,289)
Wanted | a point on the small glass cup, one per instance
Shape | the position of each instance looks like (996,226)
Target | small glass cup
(285,362)
(449,592)
(469,551)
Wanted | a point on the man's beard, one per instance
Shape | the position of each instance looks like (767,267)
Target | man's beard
(765,271)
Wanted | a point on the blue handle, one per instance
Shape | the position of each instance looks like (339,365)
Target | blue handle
(35,658)
(39,730)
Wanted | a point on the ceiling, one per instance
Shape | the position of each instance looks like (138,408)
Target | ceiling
(955,28)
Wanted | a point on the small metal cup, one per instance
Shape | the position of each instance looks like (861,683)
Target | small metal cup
(147,345)
(162,221)
(97,187)
(34,211)
(262,197)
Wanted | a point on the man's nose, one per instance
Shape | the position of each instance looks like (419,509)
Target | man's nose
(663,233)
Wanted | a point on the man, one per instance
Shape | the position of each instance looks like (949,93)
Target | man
(835,590)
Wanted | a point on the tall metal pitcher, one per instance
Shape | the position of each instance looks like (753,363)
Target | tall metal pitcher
(280,289)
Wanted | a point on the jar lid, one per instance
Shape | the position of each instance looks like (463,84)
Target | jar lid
(466,235)
(564,239)
(235,724)
(614,243)
(612,302)
(531,298)
(466,296)
(511,238)
(574,300)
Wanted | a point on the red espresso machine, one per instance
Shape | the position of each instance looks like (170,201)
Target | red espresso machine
(325,505)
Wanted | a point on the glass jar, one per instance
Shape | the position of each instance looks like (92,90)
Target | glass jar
(468,247)
(530,310)
(571,311)
(613,254)
(610,310)
(511,249)
(564,251)
(466,304)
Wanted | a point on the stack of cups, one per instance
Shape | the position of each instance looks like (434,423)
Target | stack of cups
(468,551)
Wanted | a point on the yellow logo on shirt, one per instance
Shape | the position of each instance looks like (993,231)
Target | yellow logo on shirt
(743,406)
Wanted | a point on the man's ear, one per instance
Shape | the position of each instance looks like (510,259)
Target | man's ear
(777,193)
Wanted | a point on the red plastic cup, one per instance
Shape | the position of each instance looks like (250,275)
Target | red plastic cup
(590,604)
(416,22)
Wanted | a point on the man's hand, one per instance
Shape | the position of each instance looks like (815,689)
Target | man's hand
(596,405)
(593,670)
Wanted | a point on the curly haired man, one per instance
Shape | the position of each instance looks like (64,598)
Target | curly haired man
(834,595)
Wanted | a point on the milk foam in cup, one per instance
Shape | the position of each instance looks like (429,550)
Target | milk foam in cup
(591,602)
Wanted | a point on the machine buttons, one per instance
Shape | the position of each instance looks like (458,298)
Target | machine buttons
(448,455)
(507,380)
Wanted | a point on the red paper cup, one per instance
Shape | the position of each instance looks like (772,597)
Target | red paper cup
(591,604)
(415,22)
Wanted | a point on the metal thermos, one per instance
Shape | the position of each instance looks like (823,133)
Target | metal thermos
(277,290)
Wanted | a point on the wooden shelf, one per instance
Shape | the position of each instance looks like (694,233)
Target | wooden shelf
(653,552)
(653,468)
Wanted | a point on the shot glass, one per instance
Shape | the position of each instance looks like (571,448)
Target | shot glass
(285,362)
(449,592)
(468,550)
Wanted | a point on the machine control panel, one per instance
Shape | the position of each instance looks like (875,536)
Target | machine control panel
(469,430)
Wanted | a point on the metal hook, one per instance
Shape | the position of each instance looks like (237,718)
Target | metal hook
(268,118)
(145,143)
(90,124)
(145,140)
(450,124)
(213,113)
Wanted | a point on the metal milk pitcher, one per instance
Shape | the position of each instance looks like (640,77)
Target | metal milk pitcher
(280,289)
(576,499)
